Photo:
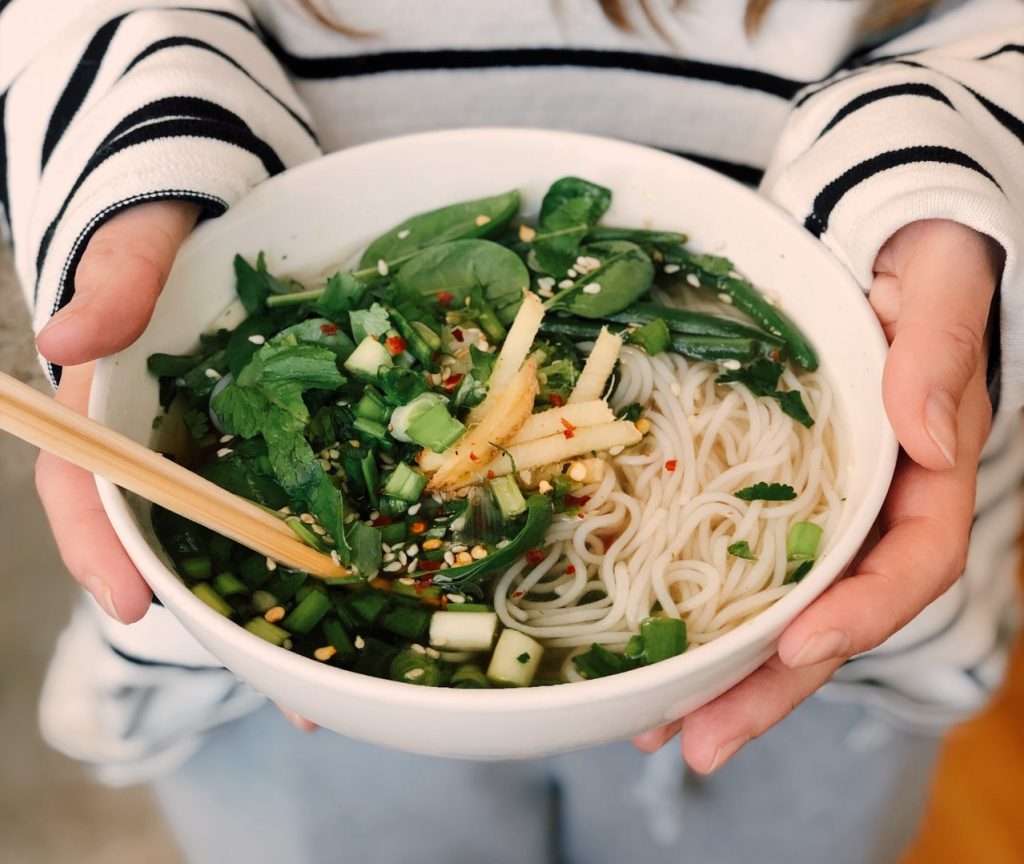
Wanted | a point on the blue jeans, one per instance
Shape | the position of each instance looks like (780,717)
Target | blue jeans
(830,784)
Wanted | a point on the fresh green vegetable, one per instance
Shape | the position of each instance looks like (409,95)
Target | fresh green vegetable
(426,421)
(412,667)
(653,337)
(307,614)
(798,573)
(506,493)
(200,567)
(270,632)
(415,341)
(255,284)
(342,293)
(368,359)
(336,635)
(598,662)
(405,483)
(803,541)
(761,377)
(205,592)
(690,323)
(469,676)
(624,276)
(226,584)
(409,622)
(662,638)
(571,208)
(374,322)
(767,492)
(741,549)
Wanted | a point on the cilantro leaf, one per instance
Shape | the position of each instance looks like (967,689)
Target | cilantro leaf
(760,377)
(767,492)
(793,404)
(741,549)
(523,658)
(255,284)
(342,294)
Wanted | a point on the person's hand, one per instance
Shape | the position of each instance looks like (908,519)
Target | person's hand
(117,283)
(933,286)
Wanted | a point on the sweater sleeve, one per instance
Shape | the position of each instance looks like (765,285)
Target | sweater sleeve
(933,132)
(109,103)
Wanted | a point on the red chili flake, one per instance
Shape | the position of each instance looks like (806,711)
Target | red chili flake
(395,345)
(556,400)
(570,430)
(570,569)
(427,581)
(490,475)
(670,465)
(328,329)
(576,500)
(382,520)
(445,298)
(535,556)
(452,381)
(418,527)
(473,457)
(457,334)
(424,564)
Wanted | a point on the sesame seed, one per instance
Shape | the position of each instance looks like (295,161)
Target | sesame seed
(571,273)
(417,648)
(671,268)
(353,442)
(592,288)
(334,453)
(256,339)
(431,544)
(643,425)
(393,567)
(725,298)
(307,518)
(224,439)
(374,515)
(286,510)
(326,653)
(403,558)
(224,451)
(566,283)
(526,233)
(359,642)
(382,267)
(405,580)
(616,450)
(335,557)
(414,674)
(458,548)
(481,220)
(389,556)
(501,544)
(478,553)
(412,511)
(405,232)
(319,530)
(271,565)
(274,614)
(433,653)
(449,558)
(412,566)
(578,472)
(212,374)
(544,487)
(412,550)
(463,558)
(691,279)
(325,464)
(731,365)
(455,598)
(545,283)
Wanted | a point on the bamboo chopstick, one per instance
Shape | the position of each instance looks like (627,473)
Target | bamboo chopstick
(45,423)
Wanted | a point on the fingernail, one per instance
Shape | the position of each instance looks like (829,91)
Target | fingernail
(940,421)
(820,647)
(724,753)
(105,598)
(62,318)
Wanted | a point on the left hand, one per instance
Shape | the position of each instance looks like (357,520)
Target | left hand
(932,289)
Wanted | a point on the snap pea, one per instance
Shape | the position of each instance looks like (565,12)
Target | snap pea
(690,323)
(415,344)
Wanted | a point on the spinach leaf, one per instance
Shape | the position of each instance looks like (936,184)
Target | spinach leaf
(482,217)
(369,322)
(365,541)
(245,477)
(767,492)
(240,347)
(461,267)
(342,293)
(255,284)
(741,550)
(625,275)
(571,207)
(171,365)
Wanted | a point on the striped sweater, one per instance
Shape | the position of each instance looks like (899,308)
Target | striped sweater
(112,102)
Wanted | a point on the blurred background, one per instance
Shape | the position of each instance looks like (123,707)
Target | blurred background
(52,813)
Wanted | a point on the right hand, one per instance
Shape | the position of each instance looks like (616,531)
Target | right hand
(117,283)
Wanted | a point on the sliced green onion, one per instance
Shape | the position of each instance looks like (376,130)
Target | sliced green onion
(803,541)
(506,492)
(204,591)
(304,617)
(412,667)
(405,483)
(270,632)
(409,622)
(469,676)
(663,638)
(198,568)
(228,583)
(339,638)
(263,600)
(654,337)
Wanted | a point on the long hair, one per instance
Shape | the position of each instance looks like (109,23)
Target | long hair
(880,15)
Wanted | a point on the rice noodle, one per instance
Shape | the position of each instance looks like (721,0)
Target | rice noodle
(649,537)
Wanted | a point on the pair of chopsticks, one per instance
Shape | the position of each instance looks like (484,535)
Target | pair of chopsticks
(50,426)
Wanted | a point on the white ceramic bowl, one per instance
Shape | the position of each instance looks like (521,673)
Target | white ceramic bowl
(320,214)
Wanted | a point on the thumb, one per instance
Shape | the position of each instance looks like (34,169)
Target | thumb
(117,282)
(933,288)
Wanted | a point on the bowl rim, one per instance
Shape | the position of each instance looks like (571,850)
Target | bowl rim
(613,687)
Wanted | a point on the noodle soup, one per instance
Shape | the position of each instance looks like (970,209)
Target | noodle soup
(542,451)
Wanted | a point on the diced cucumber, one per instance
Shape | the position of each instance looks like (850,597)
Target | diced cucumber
(515,659)
(405,483)
(368,358)
(463,631)
(506,492)
(426,421)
